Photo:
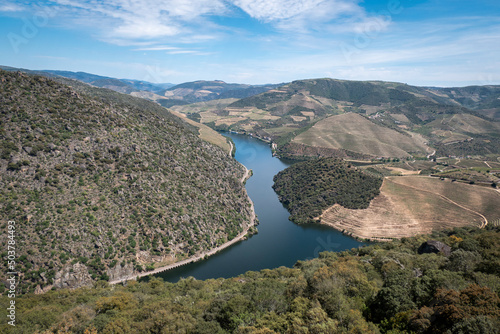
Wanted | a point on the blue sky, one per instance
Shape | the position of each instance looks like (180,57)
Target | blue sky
(419,42)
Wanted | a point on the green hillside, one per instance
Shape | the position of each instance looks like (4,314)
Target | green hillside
(381,288)
(102,185)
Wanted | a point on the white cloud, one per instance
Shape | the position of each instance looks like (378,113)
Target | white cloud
(10,7)
(176,52)
(273,10)
(130,22)
(302,15)
(157,48)
(139,19)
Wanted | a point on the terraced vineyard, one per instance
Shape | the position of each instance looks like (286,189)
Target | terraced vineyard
(356,133)
(412,205)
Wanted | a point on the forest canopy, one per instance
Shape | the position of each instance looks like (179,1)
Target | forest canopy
(307,188)
(380,288)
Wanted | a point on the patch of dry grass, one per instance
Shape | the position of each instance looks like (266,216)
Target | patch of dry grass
(355,133)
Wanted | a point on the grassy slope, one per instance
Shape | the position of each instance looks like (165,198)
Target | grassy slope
(207,133)
(356,133)
(461,127)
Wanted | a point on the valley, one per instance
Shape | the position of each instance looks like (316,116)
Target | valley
(110,188)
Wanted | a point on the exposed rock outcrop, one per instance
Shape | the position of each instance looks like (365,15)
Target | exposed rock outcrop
(433,246)
(118,272)
(75,276)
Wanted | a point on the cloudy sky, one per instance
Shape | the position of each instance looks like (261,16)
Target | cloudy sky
(420,42)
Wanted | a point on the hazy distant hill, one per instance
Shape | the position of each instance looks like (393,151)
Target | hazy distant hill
(103,184)
(199,91)
(120,85)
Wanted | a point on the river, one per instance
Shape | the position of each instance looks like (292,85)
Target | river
(279,241)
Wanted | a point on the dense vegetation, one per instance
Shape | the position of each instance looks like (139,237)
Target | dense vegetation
(102,184)
(381,288)
(307,188)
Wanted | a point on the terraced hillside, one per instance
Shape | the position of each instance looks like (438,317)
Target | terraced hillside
(413,205)
(355,133)
(102,184)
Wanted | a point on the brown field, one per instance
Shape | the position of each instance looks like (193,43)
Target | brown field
(203,106)
(400,118)
(355,133)
(467,123)
(402,171)
(207,133)
(411,205)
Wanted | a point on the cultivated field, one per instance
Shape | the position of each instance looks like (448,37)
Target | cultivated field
(411,205)
(203,106)
(355,133)
(466,123)
(207,133)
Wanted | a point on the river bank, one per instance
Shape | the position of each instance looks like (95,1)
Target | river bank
(203,255)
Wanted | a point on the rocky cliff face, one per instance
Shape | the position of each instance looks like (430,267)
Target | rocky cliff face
(118,272)
(75,276)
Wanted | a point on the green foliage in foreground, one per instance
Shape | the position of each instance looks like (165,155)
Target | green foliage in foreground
(307,188)
(381,288)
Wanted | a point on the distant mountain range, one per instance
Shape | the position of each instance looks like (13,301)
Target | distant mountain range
(199,91)
(371,119)
(363,119)
(166,94)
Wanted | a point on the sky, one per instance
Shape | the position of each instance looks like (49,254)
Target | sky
(419,42)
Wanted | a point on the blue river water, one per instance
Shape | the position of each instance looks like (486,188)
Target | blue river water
(279,242)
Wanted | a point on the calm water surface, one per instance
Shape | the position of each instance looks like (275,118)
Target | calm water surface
(279,241)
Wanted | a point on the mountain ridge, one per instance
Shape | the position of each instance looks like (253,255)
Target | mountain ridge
(105,185)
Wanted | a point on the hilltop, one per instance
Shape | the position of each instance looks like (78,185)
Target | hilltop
(103,185)
(200,91)
(119,85)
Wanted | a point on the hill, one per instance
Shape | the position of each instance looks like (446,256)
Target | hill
(199,91)
(307,188)
(286,115)
(102,185)
(414,205)
(355,133)
(126,86)
(445,283)
(120,85)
